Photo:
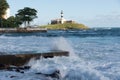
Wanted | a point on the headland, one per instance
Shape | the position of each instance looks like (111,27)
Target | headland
(65,26)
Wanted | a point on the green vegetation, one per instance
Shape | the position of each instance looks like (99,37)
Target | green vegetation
(12,22)
(65,26)
(3,7)
(27,15)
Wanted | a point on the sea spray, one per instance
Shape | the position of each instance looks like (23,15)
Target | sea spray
(58,44)
(71,68)
(62,44)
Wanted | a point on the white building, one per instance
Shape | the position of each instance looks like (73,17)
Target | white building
(59,21)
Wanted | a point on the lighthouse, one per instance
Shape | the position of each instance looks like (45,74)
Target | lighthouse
(62,19)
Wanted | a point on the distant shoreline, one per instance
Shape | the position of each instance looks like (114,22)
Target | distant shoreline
(65,26)
(22,30)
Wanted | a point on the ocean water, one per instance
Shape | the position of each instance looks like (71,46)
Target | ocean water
(94,54)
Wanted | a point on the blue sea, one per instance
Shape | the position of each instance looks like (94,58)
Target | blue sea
(94,54)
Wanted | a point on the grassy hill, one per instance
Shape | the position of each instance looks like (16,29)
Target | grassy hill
(65,26)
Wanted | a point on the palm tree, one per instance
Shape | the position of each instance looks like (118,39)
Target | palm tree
(3,7)
(27,15)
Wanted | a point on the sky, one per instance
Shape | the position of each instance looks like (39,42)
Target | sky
(92,13)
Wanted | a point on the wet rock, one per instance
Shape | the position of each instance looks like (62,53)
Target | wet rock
(55,74)
(14,68)
(13,76)
(17,70)
(22,72)
(21,59)
(27,67)
(3,66)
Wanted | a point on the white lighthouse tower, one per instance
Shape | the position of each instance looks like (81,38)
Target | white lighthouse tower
(62,19)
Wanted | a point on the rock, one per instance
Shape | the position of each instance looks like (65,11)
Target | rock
(12,76)
(22,72)
(27,67)
(3,66)
(10,68)
(55,74)
(16,69)
(22,30)
(21,59)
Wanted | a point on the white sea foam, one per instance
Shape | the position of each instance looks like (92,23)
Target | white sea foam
(71,68)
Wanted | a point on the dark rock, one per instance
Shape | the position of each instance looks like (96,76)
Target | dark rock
(23,67)
(2,66)
(27,67)
(21,59)
(10,68)
(22,72)
(13,76)
(55,74)
(17,70)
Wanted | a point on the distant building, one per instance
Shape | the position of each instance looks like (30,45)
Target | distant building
(61,20)
(7,15)
(70,21)
(58,21)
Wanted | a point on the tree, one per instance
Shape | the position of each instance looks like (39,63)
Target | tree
(12,22)
(27,15)
(3,7)
(18,21)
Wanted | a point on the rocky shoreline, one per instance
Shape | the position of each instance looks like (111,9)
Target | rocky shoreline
(17,62)
(21,59)
(22,30)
